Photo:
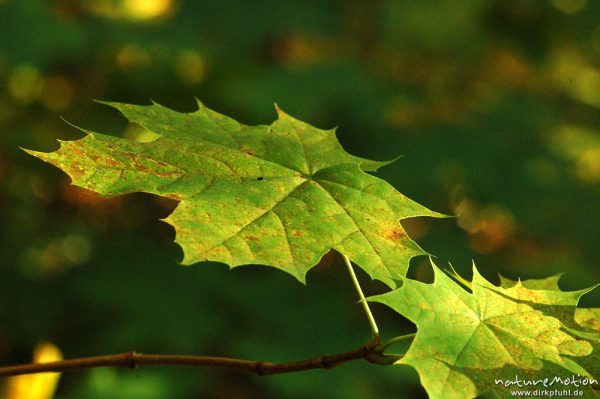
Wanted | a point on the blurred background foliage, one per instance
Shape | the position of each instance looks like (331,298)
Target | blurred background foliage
(495,105)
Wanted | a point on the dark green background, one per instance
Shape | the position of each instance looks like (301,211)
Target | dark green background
(495,106)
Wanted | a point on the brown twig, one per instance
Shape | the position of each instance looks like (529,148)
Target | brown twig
(133,359)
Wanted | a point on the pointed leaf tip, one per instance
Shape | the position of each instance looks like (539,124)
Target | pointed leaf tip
(281,114)
(199,103)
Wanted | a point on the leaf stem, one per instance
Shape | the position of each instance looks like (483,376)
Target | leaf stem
(393,341)
(374,329)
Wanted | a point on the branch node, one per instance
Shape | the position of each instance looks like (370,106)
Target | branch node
(325,363)
(261,368)
(130,359)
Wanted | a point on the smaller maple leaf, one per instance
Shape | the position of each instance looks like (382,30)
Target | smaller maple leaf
(467,342)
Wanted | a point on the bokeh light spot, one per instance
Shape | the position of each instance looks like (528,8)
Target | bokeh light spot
(490,227)
(190,67)
(577,77)
(132,56)
(36,386)
(581,146)
(147,9)
(57,93)
(56,256)
(569,6)
(137,10)
(76,248)
(26,83)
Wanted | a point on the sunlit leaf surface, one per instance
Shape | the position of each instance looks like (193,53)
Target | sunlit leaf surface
(281,195)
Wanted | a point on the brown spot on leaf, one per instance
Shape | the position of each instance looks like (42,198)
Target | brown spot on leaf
(251,238)
(248,151)
(112,162)
(166,174)
(75,150)
(151,169)
(395,234)
(105,161)
(76,172)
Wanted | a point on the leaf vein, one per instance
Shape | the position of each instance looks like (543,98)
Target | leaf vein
(258,217)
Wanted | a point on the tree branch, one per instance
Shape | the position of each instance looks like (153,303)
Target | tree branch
(133,359)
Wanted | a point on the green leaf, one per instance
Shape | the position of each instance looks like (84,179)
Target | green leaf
(465,342)
(281,195)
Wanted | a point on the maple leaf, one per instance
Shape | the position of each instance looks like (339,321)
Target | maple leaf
(281,195)
(467,342)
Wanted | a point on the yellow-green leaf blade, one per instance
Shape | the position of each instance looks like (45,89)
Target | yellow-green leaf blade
(281,195)
(465,342)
